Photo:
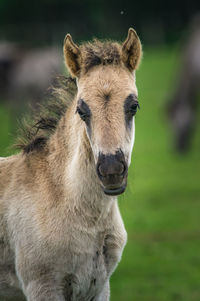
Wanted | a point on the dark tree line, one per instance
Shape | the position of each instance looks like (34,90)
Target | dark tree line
(47,21)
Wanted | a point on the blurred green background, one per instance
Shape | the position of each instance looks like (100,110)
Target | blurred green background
(161,207)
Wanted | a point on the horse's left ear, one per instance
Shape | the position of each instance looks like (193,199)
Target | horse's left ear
(72,55)
(132,50)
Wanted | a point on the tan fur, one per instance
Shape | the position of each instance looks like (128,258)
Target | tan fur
(61,236)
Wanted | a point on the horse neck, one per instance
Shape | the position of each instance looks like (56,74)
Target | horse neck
(72,163)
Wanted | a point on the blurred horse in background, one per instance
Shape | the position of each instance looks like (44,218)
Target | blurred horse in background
(182,108)
(26,74)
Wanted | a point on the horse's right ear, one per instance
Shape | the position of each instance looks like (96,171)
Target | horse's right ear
(72,55)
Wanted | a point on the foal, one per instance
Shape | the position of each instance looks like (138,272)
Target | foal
(61,233)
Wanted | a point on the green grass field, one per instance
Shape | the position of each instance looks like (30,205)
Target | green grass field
(161,207)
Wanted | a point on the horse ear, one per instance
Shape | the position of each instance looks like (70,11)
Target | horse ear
(72,55)
(132,50)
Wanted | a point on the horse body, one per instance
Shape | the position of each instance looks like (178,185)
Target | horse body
(64,239)
(61,233)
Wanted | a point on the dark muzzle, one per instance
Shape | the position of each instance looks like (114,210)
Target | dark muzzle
(112,171)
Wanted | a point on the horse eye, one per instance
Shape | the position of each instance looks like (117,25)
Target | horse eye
(132,110)
(83,110)
(82,114)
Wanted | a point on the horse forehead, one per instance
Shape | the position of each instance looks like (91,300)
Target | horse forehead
(107,79)
(114,82)
(107,94)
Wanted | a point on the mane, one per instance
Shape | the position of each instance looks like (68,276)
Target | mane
(36,129)
(100,53)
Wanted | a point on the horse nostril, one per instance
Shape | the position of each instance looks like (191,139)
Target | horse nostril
(101,170)
(117,168)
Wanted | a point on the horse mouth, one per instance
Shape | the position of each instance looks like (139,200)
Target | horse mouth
(114,191)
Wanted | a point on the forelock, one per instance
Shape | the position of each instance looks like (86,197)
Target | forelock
(100,53)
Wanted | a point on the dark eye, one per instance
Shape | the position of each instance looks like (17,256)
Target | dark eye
(84,116)
(130,106)
(83,110)
(133,109)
